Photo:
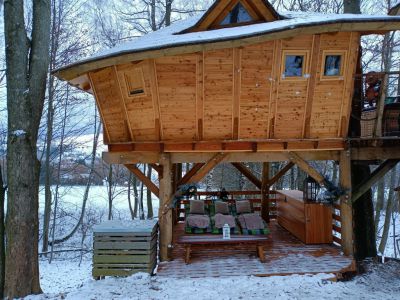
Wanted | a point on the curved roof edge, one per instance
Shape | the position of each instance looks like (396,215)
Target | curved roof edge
(167,42)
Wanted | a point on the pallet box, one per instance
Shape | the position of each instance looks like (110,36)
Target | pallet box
(122,249)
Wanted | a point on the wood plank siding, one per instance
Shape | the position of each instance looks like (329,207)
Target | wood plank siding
(230,94)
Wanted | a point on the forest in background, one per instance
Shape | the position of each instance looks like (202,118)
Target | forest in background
(81,28)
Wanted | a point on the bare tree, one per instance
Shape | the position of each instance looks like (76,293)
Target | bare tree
(352,6)
(2,235)
(149,196)
(27,65)
(388,214)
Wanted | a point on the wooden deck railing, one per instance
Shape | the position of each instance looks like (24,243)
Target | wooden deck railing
(379,104)
(337,225)
(253,196)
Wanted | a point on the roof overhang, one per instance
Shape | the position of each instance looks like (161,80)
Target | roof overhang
(364,26)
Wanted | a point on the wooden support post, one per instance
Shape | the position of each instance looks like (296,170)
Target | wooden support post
(248,174)
(346,209)
(165,213)
(375,176)
(143,178)
(265,193)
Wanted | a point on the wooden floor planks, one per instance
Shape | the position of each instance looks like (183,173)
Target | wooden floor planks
(285,255)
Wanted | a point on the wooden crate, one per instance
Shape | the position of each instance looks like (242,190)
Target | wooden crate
(123,251)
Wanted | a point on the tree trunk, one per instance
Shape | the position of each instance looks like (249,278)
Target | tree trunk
(130,180)
(352,6)
(379,203)
(110,196)
(168,12)
(149,197)
(153,21)
(141,210)
(56,197)
(363,216)
(49,133)
(136,193)
(388,214)
(363,209)
(2,237)
(26,69)
(87,189)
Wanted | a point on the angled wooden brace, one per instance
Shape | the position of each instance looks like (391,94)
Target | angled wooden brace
(385,167)
(281,173)
(248,174)
(190,174)
(211,164)
(143,178)
(302,164)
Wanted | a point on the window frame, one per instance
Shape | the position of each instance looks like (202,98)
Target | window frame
(139,72)
(305,71)
(253,14)
(325,53)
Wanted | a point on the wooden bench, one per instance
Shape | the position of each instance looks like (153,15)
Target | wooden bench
(211,241)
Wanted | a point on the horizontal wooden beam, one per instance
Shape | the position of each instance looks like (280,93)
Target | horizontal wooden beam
(232,146)
(124,158)
(143,178)
(375,153)
(248,174)
(202,157)
(281,173)
(375,176)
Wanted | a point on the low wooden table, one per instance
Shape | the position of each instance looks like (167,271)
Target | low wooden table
(212,241)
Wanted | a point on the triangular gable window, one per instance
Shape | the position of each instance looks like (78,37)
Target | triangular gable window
(237,15)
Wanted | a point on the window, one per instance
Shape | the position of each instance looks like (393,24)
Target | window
(333,65)
(294,64)
(135,82)
(238,14)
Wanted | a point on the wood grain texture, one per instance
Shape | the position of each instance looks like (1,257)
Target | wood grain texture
(309,222)
(236,93)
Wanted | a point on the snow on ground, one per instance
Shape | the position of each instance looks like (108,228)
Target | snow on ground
(72,197)
(65,280)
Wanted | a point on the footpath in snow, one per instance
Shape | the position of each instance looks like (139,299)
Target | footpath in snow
(66,280)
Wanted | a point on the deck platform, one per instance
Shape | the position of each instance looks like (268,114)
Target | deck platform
(285,255)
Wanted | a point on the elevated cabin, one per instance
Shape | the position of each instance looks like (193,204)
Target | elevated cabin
(240,83)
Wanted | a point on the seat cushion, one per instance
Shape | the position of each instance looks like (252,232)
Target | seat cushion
(243,207)
(197,207)
(221,208)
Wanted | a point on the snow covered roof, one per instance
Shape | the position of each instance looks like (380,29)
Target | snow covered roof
(171,37)
(135,226)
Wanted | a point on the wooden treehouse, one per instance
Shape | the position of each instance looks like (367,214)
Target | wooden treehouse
(243,83)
